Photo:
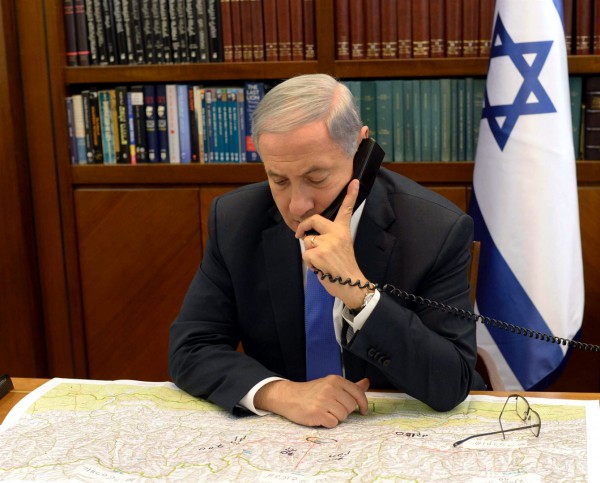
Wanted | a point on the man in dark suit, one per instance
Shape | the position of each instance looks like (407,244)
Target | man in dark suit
(250,285)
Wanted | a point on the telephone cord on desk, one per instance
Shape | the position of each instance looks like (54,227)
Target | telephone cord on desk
(465,314)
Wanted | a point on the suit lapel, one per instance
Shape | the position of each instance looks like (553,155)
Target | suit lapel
(282,252)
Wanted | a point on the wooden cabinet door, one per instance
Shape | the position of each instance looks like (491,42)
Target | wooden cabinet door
(138,251)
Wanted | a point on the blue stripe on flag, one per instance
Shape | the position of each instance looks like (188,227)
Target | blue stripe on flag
(501,296)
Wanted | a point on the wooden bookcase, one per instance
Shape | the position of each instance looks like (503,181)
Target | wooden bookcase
(118,245)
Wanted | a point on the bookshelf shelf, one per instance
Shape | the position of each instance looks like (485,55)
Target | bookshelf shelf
(187,72)
(588,172)
(468,66)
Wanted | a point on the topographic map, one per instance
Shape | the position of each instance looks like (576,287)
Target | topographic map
(132,431)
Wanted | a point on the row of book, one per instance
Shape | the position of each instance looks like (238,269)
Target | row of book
(438,119)
(396,29)
(100,32)
(163,123)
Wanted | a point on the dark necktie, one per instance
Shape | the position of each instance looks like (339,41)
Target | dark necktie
(323,355)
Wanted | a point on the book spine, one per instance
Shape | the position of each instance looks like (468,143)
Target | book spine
(409,142)
(231,19)
(81,31)
(404,27)
(454,18)
(478,95)
(222,138)
(191,16)
(96,127)
(71,131)
(416,119)
(138,33)
(129,28)
(101,42)
(420,28)
(234,125)
(173,124)
(182,32)
(241,106)
(165,29)
(112,99)
(207,109)
(372,15)
(247,30)
(270,25)
(592,119)
(342,29)
(470,24)
(486,20)
(436,120)
(426,150)
(174,31)
(445,119)
(150,123)
(121,36)
(202,32)
(213,20)
(70,34)
(87,126)
(308,11)
(398,119)
(131,126)
(583,27)
(139,123)
(253,93)
(469,120)
(108,143)
(162,127)
(368,106)
(297,29)
(193,123)
(284,33)
(437,33)
(461,118)
(183,121)
(383,106)
(568,16)
(147,26)
(258,30)
(596,29)
(199,116)
(79,123)
(108,20)
(155,34)
(124,154)
(389,30)
(91,32)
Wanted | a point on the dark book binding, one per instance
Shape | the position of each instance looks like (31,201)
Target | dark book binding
(486,21)
(161,123)
(357,31)
(583,27)
(568,24)
(258,30)
(284,30)
(592,119)
(247,29)
(122,134)
(70,34)
(470,41)
(297,29)
(191,28)
(437,33)
(213,22)
(454,29)
(83,46)
(150,122)
(389,29)
(308,10)
(372,19)
(420,28)
(91,32)
(147,26)
(120,34)
(342,29)
(404,27)
(233,44)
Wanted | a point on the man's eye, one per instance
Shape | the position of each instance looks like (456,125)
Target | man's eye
(317,181)
(279,182)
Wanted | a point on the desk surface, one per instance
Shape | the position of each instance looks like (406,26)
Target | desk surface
(23,386)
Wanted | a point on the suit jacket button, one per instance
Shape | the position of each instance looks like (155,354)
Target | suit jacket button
(386,363)
(371,353)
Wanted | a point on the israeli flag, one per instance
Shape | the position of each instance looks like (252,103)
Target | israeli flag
(524,199)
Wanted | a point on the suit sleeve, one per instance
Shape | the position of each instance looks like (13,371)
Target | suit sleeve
(424,352)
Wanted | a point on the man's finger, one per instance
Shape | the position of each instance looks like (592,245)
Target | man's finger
(345,213)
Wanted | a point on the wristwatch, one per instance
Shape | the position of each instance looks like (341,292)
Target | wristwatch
(366,300)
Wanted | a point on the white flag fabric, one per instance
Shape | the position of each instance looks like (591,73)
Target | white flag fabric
(524,200)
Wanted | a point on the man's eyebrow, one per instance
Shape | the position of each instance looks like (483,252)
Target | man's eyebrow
(309,171)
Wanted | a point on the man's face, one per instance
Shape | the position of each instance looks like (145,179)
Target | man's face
(306,170)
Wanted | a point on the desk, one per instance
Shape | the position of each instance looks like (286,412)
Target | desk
(155,430)
(23,386)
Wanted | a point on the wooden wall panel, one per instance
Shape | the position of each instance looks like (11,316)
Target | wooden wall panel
(22,351)
(138,251)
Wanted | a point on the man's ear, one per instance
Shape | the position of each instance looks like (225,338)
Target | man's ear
(364,133)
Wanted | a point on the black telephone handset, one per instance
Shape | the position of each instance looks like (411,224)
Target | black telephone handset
(367,161)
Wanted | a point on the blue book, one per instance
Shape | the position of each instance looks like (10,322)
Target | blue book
(79,129)
(253,93)
(409,139)
(446,118)
(416,114)
(131,126)
(209,119)
(426,151)
(469,120)
(150,120)
(453,119)
(234,129)
(222,125)
(183,113)
(368,107)
(462,119)
(436,120)
(162,132)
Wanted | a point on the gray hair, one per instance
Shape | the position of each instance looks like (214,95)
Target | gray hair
(305,99)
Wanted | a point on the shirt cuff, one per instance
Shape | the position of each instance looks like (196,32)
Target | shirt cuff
(248,400)
(356,322)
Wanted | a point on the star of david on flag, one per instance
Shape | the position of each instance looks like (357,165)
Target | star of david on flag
(524,200)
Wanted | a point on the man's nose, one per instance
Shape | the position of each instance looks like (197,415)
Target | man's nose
(301,202)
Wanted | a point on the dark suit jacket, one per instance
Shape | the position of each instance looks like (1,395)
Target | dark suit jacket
(249,288)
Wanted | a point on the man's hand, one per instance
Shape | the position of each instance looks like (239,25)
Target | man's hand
(332,250)
(322,402)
